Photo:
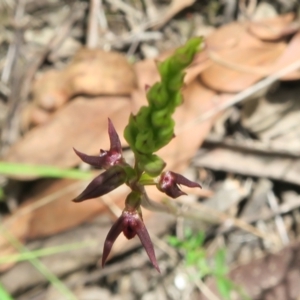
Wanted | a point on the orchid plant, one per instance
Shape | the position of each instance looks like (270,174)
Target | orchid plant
(148,131)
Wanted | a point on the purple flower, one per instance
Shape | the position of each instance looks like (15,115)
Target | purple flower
(103,184)
(109,158)
(169,181)
(131,224)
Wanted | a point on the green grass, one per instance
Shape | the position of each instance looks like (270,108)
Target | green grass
(32,257)
(16,169)
(4,295)
(13,258)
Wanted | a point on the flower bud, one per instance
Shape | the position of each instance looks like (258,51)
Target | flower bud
(109,158)
(169,181)
(104,183)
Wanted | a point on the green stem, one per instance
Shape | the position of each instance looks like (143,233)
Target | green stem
(146,179)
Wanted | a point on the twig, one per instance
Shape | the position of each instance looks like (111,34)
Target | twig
(237,67)
(278,219)
(218,217)
(13,50)
(102,18)
(115,209)
(22,93)
(251,146)
(92,34)
(247,11)
(151,9)
(127,9)
(243,95)
(203,288)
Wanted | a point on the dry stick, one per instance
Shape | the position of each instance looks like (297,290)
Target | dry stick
(204,288)
(210,214)
(215,57)
(253,146)
(13,50)
(11,74)
(247,11)
(243,95)
(102,17)
(92,34)
(127,9)
(215,216)
(283,209)
(59,36)
(278,218)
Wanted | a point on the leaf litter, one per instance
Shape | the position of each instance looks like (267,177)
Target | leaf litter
(70,107)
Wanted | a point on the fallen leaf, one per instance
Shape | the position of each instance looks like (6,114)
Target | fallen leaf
(290,55)
(92,72)
(81,124)
(55,212)
(274,28)
(221,77)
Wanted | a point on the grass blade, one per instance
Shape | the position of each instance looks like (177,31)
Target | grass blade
(4,295)
(7,168)
(52,278)
(43,252)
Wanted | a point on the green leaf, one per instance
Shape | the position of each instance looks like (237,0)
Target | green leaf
(174,241)
(225,286)
(220,262)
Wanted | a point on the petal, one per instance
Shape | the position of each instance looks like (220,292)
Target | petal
(174,191)
(147,243)
(179,179)
(115,144)
(112,235)
(130,225)
(103,184)
(95,161)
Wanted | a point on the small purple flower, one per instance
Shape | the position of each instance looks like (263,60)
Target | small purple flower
(109,158)
(169,181)
(103,184)
(131,224)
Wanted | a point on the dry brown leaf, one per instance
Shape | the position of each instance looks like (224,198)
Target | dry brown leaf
(96,72)
(234,79)
(243,58)
(51,90)
(290,55)
(57,214)
(92,72)
(81,123)
(274,28)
